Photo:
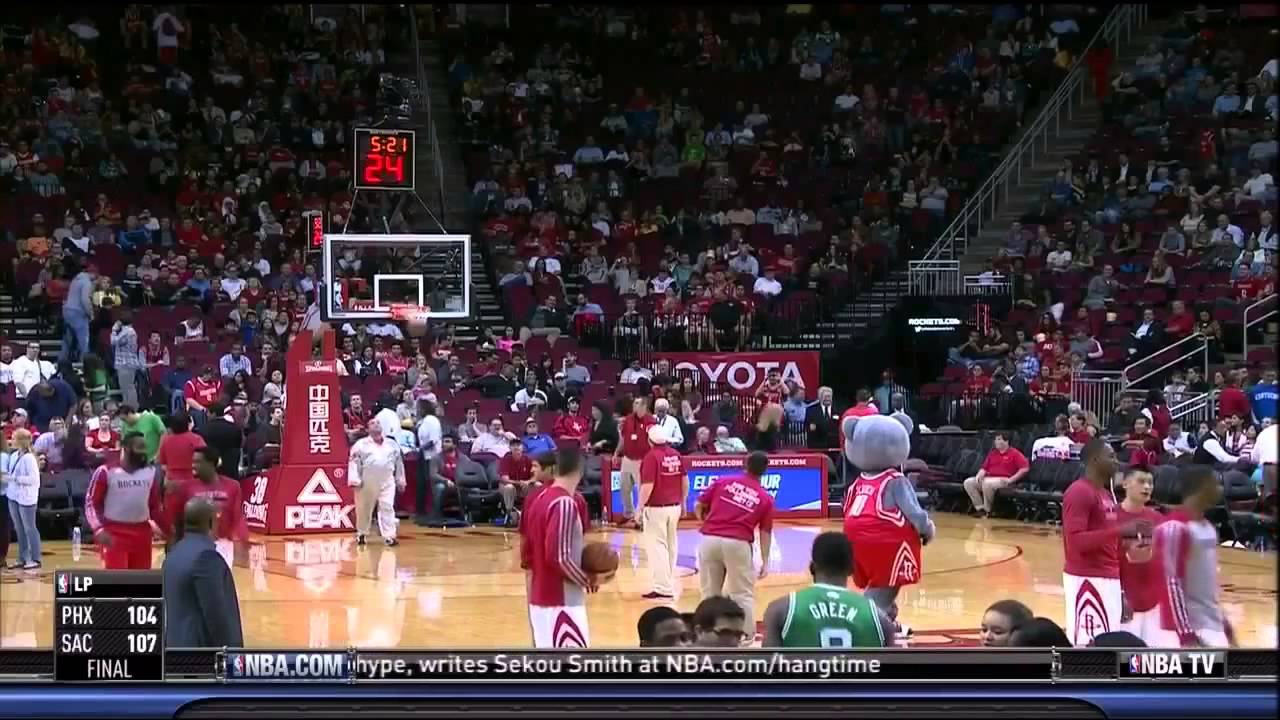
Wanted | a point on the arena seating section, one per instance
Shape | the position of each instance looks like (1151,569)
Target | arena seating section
(649,61)
(1205,279)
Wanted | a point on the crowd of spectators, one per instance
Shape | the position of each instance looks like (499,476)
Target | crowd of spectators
(1162,229)
(685,176)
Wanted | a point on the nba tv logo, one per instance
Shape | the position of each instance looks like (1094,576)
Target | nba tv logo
(236,665)
(64,584)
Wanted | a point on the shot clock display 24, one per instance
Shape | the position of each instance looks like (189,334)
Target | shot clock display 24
(384,159)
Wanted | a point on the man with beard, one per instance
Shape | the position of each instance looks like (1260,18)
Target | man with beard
(121,505)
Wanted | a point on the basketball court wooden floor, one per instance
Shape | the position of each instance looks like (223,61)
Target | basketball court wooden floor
(465,588)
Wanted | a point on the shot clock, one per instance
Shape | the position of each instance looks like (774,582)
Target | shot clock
(384,159)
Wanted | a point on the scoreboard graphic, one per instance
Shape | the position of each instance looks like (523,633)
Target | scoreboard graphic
(109,626)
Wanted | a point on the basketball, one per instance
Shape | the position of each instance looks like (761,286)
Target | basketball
(599,558)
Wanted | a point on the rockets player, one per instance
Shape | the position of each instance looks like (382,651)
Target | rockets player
(1187,548)
(122,504)
(1140,578)
(376,471)
(229,525)
(543,475)
(558,586)
(1090,542)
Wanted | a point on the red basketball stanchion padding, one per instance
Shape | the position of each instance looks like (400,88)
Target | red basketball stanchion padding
(307,492)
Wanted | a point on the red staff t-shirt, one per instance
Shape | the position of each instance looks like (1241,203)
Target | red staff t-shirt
(663,468)
(736,507)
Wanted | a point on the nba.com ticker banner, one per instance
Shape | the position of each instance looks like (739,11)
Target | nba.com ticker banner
(744,371)
(796,481)
(967,665)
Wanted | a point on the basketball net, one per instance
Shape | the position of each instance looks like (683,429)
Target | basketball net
(412,314)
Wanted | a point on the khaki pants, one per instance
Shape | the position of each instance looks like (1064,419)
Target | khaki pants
(372,496)
(983,492)
(660,524)
(630,479)
(725,569)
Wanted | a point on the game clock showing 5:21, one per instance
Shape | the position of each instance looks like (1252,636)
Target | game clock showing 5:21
(384,159)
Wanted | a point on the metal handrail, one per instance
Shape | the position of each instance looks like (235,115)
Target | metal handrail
(1116,28)
(1201,346)
(996,284)
(1250,323)
(1205,401)
(424,104)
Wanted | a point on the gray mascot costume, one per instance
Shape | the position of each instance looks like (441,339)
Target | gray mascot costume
(882,517)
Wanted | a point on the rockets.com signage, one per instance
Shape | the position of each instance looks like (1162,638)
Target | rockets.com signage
(796,481)
(744,371)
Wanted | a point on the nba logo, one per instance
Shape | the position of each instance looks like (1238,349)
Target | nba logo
(237,665)
(63,584)
(1133,663)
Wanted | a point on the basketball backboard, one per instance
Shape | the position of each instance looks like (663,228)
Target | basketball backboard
(369,278)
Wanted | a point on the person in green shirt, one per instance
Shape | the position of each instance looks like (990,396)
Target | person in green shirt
(827,614)
(146,423)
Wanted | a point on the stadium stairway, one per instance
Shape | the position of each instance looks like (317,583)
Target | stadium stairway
(486,307)
(1075,133)
(19,326)
(860,317)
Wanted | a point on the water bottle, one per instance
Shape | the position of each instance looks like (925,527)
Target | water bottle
(75,543)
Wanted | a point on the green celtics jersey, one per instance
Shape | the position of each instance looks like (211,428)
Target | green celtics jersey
(826,616)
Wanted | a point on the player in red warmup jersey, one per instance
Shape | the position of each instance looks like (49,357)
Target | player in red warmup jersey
(1187,548)
(543,474)
(230,526)
(558,585)
(1140,578)
(1090,542)
(121,505)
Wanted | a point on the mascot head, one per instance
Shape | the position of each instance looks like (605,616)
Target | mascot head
(877,442)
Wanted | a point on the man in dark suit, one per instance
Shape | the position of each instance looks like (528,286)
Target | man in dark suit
(200,602)
(822,420)
(223,433)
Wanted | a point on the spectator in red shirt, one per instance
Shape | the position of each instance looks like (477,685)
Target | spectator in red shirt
(200,392)
(1248,286)
(863,407)
(1004,466)
(570,425)
(1180,323)
(355,417)
(1079,433)
(515,477)
(1232,400)
(177,450)
(103,440)
(1144,446)
(977,383)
